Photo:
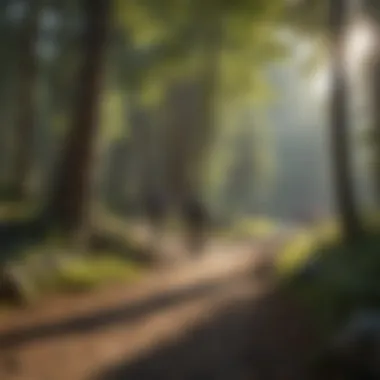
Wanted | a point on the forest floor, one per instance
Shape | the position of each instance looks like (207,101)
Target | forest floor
(215,317)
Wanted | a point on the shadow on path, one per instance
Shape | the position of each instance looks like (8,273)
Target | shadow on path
(124,313)
(265,339)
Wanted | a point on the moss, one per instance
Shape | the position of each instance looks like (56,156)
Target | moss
(88,273)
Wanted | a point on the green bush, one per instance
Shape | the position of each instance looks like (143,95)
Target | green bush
(345,280)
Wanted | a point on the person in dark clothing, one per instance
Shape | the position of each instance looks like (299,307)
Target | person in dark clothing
(155,208)
(195,218)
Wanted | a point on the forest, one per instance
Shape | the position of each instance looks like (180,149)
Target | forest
(164,161)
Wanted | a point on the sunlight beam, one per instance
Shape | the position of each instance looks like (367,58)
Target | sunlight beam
(361,39)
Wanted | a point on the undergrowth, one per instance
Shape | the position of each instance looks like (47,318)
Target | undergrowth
(330,278)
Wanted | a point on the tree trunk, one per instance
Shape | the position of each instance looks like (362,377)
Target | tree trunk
(26,111)
(340,145)
(71,195)
(190,112)
(140,129)
(204,128)
(183,120)
(374,86)
(194,103)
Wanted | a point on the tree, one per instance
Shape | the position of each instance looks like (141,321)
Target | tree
(210,36)
(239,188)
(71,194)
(372,12)
(347,208)
(374,86)
(204,55)
(307,15)
(9,44)
(26,111)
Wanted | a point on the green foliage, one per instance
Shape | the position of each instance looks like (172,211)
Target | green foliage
(344,278)
(154,42)
(81,274)
(255,227)
(112,120)
(347,281)
(46,268)
(307,21)
(16,210)
(240,166)
(171,37)
(307,16)
(303,245)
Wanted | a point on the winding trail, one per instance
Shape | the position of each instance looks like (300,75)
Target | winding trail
(217,317)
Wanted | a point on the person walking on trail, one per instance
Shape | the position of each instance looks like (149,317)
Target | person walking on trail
(195,218)
(156,212)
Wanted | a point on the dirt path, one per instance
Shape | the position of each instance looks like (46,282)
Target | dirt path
(212,318)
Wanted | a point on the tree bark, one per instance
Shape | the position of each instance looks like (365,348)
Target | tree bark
(26,111)
(183,119)
(203,130)
(72,191)
(340,145)
(190,116)
(373,82)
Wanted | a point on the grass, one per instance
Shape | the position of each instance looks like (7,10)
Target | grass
(305,246)
(16,210)
(83,274)
(258,227)
(57,269)
(51,269)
